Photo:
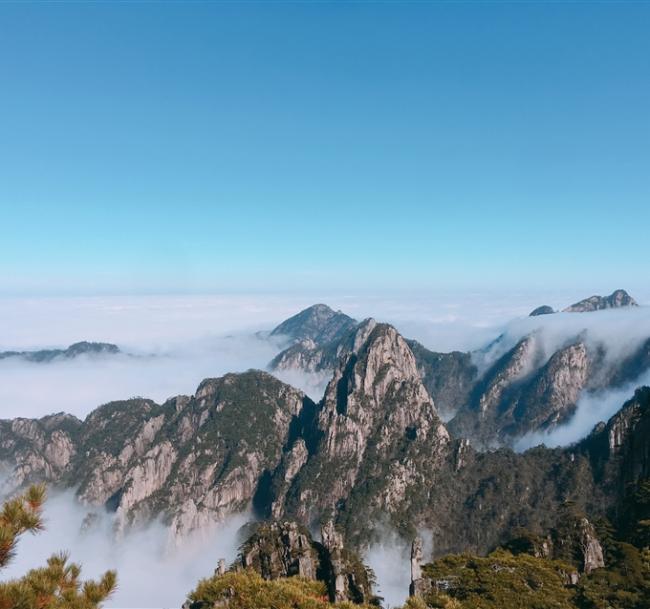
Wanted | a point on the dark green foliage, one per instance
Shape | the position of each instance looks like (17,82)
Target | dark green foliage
(247,590)
(500,581)
(55,586)
(448,377)
(623,584)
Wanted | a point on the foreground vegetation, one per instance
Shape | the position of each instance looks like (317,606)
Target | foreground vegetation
(247,590)
(508,578)
(54,586)
(515,579)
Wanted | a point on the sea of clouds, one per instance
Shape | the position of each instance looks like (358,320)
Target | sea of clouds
(171,343)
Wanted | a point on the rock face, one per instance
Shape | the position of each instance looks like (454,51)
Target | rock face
(318,323)
(543,310)
(448,377)
(377,426)
(617,299)
(573,540)
(620,449)
(550,398)
(590,548)
(521,393)
(483,415)
(285,549)
(75,350)
(190,460)
(419,585)
(281,549)
(37,450)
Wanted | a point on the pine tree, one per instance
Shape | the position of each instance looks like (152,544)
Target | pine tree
(54,586)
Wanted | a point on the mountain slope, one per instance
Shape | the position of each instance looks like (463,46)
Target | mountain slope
(519,394)
(377,427)
(374,452)
(317,323)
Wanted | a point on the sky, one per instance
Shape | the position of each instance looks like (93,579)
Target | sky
(167,147)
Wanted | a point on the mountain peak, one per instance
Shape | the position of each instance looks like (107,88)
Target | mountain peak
(318,323)
(616,300)
(543,310)
(376,415)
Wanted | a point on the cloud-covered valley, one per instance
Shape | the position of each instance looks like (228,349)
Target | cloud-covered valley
(170,344)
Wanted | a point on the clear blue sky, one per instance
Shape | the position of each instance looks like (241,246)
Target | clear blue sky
(248,146)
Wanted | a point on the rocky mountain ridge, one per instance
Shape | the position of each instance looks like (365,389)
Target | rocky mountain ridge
(373,452)
(74,350)
(523,391)
(616,300)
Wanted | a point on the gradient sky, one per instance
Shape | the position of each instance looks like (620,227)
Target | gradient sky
(170,147)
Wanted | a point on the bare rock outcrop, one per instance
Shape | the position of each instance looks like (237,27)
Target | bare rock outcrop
(376,424)
(284,549)
(518,395)
(616,300)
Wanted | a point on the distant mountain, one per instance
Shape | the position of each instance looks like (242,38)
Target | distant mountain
(373,452)
(521,393)
(309,355)
(543,310)
(318,323)
(525,390)
(616,300)
(448,377)
(74,350)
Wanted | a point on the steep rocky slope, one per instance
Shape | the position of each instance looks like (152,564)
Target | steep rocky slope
(524,390)
(32,450)
(378,429)
(284,549)
(520,394)
(448,377)
(193,460)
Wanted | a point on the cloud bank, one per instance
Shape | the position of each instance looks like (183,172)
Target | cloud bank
(179,341)
(148,574)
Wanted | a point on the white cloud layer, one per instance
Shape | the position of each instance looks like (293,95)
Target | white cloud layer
(191,337)
(148,574)
(178,341)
